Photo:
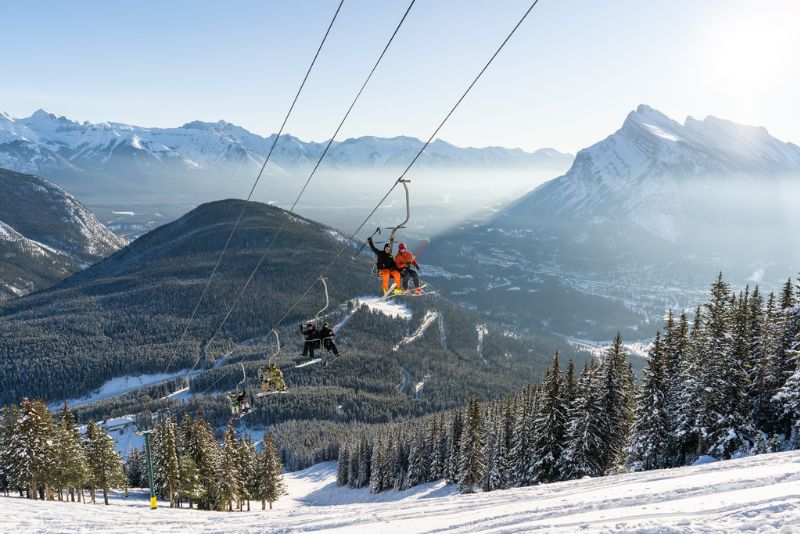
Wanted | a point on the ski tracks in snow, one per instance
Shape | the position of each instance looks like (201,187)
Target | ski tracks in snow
(430,316)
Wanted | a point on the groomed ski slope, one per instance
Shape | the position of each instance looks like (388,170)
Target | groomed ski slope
(757,494)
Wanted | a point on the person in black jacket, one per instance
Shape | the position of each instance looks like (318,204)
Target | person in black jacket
(386,267)
(326,335)
(312,337)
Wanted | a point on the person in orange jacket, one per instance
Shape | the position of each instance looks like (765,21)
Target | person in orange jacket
(386,267)
(404,260)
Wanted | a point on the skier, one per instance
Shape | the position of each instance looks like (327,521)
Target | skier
(326,335)
(312,337)
(386,267)
(404,261)
(270,376)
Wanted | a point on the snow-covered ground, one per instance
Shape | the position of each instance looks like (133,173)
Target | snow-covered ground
(387,307)
(758,494)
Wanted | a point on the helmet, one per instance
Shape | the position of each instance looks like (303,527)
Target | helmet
(326,325)
(401,246)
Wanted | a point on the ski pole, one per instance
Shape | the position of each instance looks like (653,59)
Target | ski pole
(377,231)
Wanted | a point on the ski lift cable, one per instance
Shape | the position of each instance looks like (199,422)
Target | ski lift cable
(308,180)
(252,190)
(402,176)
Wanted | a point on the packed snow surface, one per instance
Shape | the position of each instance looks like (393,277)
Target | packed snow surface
(757,494)
(124,384)
(386,307)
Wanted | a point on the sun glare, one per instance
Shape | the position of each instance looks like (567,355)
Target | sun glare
(749,54)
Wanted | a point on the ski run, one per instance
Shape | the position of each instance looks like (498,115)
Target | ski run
(754,494)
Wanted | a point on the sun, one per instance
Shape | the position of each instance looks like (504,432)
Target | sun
(750,53)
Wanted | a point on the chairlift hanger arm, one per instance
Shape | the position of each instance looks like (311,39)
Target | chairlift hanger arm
(327,300)
(408,213)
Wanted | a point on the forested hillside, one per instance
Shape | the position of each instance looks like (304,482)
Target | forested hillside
(124,316)
(726,385)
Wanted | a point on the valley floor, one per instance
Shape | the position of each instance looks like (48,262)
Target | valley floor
(758,494)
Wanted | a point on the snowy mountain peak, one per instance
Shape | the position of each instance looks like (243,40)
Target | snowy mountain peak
(644,170)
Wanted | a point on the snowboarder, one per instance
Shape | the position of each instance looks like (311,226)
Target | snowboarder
(271,376)
(405,260)
(312,337)
(386,267)
(239,403)
(326,335)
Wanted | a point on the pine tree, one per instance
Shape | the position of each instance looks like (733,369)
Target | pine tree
(522,457)
(499,474)
(417,461)
(616,401)
(724,407)
(270,474)
(30,448)
(7,460)
(342,465)
(105,464)
(550,426)
(201,446)
(189,485)
(454,432)
(470,469)
(166,470)
(586,432)
(364,457)
(70,458)
(379,468)
(648,443)
(678,374)
(136,469)
(229,479)
(247,469)
(434,446)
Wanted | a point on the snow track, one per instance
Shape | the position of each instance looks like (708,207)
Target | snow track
(757,494)
(430,317)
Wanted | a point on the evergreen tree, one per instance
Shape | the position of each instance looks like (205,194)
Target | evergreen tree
(30,449)
(550,426)
(583,454)
(270,474)
(678,374)
(229,479)
(417,461)
(201,446)
(105,464)
(522,457)
(454,432)
(435,449)
(136,469)
(343,465)
(616,400)
(247,469)
(189,485)
(379,468)
(70,464)
(470,469)
(648,444)
(166,470)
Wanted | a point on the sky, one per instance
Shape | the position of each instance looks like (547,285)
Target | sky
(566,80)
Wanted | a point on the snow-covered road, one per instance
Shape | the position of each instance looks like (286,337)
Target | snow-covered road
(758,494)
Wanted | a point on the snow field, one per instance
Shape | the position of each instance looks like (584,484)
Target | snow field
(756,494)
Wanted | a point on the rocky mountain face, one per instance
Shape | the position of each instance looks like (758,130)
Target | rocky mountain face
(45,234)
(641,221)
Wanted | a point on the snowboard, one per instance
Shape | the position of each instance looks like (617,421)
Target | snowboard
(273,392)
(306,364)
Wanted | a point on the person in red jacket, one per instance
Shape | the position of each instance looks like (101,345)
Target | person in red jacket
(404,261)
(386,267)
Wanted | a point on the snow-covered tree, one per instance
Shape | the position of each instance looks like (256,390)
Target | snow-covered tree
(550,426)
(648,442)
(105,463)
(470,469)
